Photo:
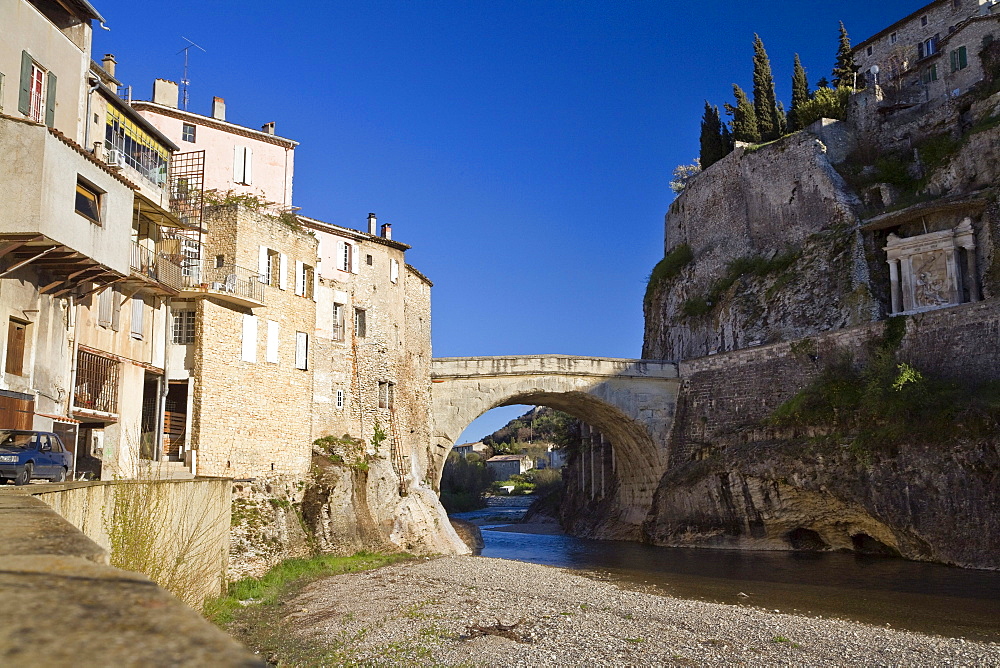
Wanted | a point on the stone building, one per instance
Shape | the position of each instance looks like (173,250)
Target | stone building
(86,278)
(933,53)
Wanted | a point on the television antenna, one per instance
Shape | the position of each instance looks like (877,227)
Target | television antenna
(185,82)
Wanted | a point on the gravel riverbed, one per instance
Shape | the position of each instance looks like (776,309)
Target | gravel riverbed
(459,610)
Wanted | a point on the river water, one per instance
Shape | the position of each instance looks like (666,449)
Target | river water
(902,594)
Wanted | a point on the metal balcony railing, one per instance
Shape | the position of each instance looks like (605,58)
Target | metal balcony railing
(229,278)
(156,265)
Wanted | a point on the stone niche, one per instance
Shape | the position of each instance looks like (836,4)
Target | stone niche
(932,270)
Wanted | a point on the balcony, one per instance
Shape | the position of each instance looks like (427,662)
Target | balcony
(158,269)
(236,285)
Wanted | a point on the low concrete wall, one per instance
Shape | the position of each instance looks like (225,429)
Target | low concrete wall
(179,527)
(67,607)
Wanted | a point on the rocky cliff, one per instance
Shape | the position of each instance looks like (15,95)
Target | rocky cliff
(774,275)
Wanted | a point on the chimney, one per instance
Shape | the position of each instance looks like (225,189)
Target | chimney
(108,63)
(372,224)
(268,128)
(165,93)
(386,231)
(218,108)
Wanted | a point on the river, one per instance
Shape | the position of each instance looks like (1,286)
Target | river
(884,591)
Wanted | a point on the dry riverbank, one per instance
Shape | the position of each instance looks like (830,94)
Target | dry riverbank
(423,613)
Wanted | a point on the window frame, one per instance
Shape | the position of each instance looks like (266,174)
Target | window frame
(183,327)
(189,132)
(302,351)
(91,194)
(339,310)
(339,400)
(137,324)
(360,323)
(386,394)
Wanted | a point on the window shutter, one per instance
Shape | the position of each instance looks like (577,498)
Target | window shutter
(920,50)
(282,271)
(954,60)
(50,100)
(272,342)
(116,308)
(239,164)
(354,259)
(24,97)
(249,348)
(248,166)
(137,317)
(301,349)
(963,58)
(300,287)
(104,308)
(345,256)
(15,348)
(262,265)
(394,271)
(315,285)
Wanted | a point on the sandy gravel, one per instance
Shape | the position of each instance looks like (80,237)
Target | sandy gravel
(421,613)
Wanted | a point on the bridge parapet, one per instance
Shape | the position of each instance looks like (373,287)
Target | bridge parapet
(562,365)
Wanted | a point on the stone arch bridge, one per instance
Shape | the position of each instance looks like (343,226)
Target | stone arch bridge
(631,402)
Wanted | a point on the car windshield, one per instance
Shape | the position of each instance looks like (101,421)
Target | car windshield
(16,440)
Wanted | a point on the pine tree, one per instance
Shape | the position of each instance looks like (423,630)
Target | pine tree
(714,142)
(764,103)
(800,94)
(744,126)
(843,71)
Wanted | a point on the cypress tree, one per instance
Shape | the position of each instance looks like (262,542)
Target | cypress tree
(843,71)
(764,102)
(744,126)
(800,94)
(714,145)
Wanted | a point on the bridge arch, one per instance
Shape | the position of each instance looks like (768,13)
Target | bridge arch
(630,401)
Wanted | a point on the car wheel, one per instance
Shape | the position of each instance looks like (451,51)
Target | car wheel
(24,476)
(61,477)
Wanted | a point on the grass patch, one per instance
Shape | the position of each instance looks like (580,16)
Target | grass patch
(667,269)
(289,574)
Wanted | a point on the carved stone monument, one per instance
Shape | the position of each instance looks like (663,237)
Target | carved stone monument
(933,270)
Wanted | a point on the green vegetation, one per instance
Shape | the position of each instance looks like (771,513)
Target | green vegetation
(886,402)
(843,70)
(714,140)
(800,95)
(770,119)
(289,575)
(735,270)
(824,103)
(539,424)
(463,483)
(346,450)
(252,202)
(542,482)
(744,125)
(667,269)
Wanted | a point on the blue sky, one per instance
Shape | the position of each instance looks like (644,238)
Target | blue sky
(524,149)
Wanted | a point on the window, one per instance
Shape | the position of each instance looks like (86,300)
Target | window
(17,336)
(928,47)
(923,20)
(105,306)
(96,383)
(892,38)
(959,59)
(187,132)
(184,327)
(37,98)
(340,399)
(136,148)
(338,322)
(248,352)
(243,165)
(386,394)
(348,257)
(271,354)
(301,350)
(929,74)
(305,279)
(360,326)
(394,271)
(88,201)
(137,319)
(220,261)
(272,267)
(869,50)
(369,260)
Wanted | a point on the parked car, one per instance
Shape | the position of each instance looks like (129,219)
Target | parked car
(32,454)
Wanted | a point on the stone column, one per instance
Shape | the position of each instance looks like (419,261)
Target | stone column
(907,283)
(970,274)
(894,285)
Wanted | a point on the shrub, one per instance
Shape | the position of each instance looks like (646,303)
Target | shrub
(667,269)
(825,103)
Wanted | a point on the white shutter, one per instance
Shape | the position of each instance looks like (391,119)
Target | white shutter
(272,342)
(137,313)
(394,270)
(344,251)
(315,284)
(249,352)
(262,265)
(355,259)
(301,349)
(239,164)
(248,166)
(300,288)
(282,271)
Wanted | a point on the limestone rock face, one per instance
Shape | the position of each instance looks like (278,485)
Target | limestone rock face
(785,207)
(926,503)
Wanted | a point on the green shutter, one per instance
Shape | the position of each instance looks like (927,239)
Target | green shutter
(954,60)
(24,99)
(963,58)
(50,100)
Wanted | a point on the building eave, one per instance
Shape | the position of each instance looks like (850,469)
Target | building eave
(357,235)
(897,24)
(207,121)
(136,117)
